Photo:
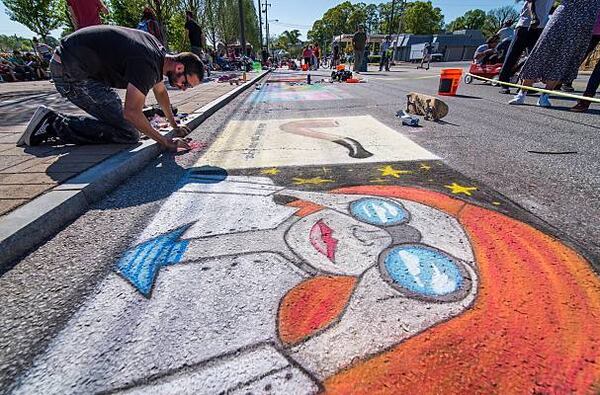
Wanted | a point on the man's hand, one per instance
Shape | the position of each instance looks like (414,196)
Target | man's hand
(181,131)
(177,144)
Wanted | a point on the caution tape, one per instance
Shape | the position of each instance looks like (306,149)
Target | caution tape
(540,90)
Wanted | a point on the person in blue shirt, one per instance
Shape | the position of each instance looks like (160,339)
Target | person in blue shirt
(385,54)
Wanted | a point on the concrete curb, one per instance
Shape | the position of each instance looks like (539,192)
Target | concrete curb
(31,224)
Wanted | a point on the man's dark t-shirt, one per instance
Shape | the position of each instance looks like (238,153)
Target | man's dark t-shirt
(360,41)
(113,55)
(195,33)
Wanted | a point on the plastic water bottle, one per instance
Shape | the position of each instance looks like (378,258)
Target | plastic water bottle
(407,119)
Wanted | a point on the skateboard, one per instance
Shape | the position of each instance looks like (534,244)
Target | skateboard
(432,108)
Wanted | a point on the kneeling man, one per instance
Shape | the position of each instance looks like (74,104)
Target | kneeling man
(86,68)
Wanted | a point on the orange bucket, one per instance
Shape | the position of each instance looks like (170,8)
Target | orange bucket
(449,81)
(304,67)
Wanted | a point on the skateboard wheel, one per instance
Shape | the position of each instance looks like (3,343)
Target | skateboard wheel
(468,79)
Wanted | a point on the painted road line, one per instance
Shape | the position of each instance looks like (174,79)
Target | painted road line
(301,142)
(539,90)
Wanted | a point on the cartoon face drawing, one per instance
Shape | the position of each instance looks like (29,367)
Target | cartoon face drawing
(407,276)
(363,289)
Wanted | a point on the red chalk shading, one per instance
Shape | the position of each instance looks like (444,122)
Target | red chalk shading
(194,146)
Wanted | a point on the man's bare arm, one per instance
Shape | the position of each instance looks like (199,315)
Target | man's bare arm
(162,97)
(133,112)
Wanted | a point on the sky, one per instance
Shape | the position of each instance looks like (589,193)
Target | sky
(298,14)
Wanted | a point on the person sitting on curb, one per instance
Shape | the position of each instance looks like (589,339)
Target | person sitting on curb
(86,68)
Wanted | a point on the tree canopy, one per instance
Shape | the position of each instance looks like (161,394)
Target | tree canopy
(419,17)
(219,18)
(422,18)
(489,23)
(41,16)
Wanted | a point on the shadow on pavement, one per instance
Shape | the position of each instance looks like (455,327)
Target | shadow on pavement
(468,97)
(18,112)
(156,182)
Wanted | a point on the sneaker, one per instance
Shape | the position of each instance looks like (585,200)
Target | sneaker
(505,91)
(39,128)
(544,101)
(519,99)
(567,88)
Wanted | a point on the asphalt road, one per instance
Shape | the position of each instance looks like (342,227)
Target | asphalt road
(316,244)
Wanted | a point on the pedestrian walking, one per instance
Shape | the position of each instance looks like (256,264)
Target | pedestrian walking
(194,33)
(384,52)
(525,37)
(86,68)
(307,55)
(561,48)
(568,86)
(84,13)
(359,43)
(149,24)
(427,49)
(317,55)
(594,80)
(335,56)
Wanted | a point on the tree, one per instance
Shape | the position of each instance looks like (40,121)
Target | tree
(457,24)
(498,17)
(126,12)
(10,43)
(41,16)
(473,19)
(421,17)
(288,41)
(386,22)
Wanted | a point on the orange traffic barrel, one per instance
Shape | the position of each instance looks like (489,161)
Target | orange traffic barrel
(449,81)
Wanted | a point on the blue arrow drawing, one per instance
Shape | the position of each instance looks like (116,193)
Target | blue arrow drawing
(140,265)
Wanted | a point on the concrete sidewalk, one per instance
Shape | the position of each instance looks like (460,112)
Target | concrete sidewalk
(27,172)
(44,187)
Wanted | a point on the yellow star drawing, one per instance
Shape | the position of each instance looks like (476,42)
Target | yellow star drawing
(457,188)
(390,171)
(273,172)
(425,167)
(309,181)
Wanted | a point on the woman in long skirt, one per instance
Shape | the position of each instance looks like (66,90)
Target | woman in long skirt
(561,48)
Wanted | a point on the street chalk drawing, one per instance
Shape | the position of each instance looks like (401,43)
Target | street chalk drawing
(383,284)
(289,142)
(339,287)
(287,92)
(422,270)
(140,265)
(307,127)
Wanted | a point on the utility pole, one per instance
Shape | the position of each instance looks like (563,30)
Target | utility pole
(260,24)
(267,5)
(391,22)
(242,28)
(402,9)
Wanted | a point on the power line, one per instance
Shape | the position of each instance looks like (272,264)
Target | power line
(292,25)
